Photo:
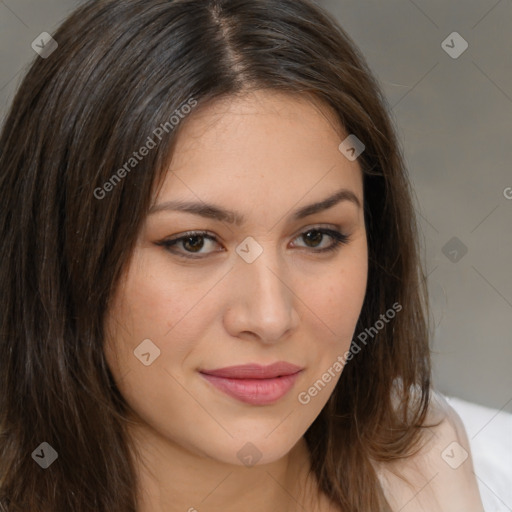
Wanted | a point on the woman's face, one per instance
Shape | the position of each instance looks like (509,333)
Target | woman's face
(255,292)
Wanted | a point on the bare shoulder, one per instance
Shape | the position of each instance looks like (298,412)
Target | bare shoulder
(440,476)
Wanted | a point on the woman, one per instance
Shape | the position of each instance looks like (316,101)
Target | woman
(210,288)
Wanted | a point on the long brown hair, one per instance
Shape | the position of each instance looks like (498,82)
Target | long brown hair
(121,69)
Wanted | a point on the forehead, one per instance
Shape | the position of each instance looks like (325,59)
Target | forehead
(254,115)
(263,144)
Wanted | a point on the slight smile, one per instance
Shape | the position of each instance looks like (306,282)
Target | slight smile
(255,384)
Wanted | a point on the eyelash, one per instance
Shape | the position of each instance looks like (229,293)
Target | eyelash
(339,239)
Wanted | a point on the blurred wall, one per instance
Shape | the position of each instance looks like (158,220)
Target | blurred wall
(452,106)
(453,109)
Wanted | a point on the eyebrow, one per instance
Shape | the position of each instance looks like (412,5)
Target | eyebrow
(212,211)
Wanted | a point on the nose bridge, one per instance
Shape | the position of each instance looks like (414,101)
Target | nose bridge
(266,294)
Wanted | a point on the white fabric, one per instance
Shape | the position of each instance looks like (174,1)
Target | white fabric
(490,435)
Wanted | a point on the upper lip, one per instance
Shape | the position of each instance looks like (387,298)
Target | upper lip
(255,371)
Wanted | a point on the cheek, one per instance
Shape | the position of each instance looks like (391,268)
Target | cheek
(150,306)
(342,298)
(168,313)
(155,302)
(338,305)
(337,300)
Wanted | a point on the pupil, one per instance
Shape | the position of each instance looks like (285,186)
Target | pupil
(310,238)
(195,246)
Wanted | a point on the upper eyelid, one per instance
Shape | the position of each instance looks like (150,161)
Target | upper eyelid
(208,234)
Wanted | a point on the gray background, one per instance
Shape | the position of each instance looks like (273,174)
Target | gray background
(454,118)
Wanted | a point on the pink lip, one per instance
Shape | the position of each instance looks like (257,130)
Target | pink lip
(254,384)
(255,371)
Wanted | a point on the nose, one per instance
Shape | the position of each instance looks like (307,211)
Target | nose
(263,303)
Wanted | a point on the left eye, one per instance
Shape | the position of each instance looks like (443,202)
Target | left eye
(194,241)
(315,235)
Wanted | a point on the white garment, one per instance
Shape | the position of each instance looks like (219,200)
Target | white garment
(490,435)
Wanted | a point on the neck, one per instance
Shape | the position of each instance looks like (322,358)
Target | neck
(173,479)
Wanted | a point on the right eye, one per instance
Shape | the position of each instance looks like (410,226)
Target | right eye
(191,242)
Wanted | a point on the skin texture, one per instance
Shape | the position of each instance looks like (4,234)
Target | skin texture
(263,155)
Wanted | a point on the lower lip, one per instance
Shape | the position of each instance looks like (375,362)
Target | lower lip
(254,391)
